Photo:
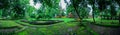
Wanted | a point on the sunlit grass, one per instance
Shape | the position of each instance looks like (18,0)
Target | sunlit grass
(64,19)
(8,23)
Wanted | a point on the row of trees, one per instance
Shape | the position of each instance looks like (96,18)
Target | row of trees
(17,9)
(13,9)
(97,6)
(22,9)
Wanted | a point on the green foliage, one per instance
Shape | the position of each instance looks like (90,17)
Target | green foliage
(50,3)
(118,1)
(13,8)
(49,8)
(83,12)
(70,8)
(76,2)
(29,12)
(0,13)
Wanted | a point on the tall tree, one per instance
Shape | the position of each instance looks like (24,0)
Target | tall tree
(118,1)
(15,7)
(75,4)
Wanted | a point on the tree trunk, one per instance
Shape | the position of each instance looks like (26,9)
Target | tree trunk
(93,17)
(93,12)
(77,12)
(119,19)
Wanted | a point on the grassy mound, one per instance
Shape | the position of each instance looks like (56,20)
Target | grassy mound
(9,27)
(8,23)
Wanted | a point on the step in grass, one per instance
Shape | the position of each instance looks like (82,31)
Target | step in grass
(9,26)
(41,22)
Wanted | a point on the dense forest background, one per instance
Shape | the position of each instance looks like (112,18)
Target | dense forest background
(17,9)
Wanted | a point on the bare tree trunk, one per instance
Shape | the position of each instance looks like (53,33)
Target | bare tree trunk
(119,19)
(77,12)
(93,17)
(93,12)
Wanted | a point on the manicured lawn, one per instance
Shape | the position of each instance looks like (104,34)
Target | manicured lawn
(64,19)
(101,20)
(62,28)
(104,22)
(8,23)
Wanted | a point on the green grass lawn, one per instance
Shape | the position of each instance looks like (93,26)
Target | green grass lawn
(101,20)
(8,23)
(64,19)
(63,28)
(104,22)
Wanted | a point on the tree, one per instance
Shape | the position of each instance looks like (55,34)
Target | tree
(75,4)
(119,5)
(13,8)
(49,8)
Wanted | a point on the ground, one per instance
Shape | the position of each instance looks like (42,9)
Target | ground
(104,22)
(68,27)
